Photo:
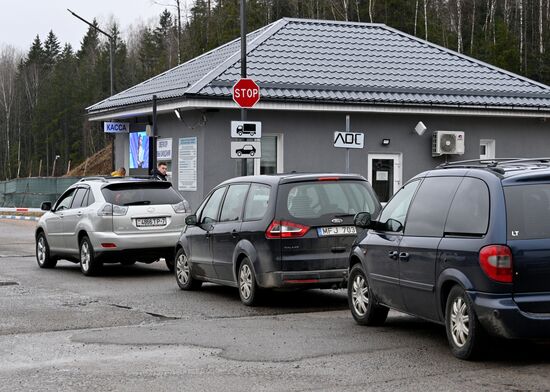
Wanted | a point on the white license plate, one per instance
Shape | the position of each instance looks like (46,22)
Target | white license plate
(148,222)
(336,230)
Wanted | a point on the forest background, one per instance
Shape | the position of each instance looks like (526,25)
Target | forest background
(44,91)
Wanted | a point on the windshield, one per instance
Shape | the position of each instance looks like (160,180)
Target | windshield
(145,193)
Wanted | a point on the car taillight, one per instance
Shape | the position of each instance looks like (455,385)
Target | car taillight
(285,229)
(496,262)
(112,210)
(181,207)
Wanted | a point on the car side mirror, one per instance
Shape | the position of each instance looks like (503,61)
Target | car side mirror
(191,220)
(362,219)
(46,206)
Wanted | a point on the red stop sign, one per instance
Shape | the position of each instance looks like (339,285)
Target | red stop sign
(246,93)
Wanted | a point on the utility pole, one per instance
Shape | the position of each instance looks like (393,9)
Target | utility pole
(111,71)
(244,168)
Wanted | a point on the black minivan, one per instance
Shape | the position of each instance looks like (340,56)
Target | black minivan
(466,245)
(277,231)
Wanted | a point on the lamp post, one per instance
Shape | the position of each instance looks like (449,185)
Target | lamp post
(111,69)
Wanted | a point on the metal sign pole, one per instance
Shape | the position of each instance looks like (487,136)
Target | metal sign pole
(244,163)
(347,149)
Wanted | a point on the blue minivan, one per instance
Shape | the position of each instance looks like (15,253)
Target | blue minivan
(466,245)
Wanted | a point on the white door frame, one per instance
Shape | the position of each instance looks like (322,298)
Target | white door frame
(397,167)
(279,152)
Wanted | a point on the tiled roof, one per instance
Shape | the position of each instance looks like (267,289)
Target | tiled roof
(305,60)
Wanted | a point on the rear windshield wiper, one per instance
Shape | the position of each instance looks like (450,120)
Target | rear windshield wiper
(138,203)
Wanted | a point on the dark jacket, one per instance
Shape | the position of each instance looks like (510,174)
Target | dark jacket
(159,176)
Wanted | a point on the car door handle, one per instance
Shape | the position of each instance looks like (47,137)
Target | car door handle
(404,256)
(234,233)
(393,254)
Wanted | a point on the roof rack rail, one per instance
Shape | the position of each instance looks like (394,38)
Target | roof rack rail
(494,164)
(93,179)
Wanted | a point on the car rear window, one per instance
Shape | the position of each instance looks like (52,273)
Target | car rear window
(317,199)
(528,211)
(145,193)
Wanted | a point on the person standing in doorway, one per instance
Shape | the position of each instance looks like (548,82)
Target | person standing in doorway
(160,172)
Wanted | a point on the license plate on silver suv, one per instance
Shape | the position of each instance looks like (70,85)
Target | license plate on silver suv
(336,230)
(150,222)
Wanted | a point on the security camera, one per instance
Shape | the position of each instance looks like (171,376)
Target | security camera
(420,128)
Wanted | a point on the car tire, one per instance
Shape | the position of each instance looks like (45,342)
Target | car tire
(182,269)
(170,263)
(239,153)
(252,153)
(240,133)
(43,257)
(362,303)
(89,265)
(249,291)
(465,334)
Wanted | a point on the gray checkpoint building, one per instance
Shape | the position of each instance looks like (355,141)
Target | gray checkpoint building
(417,104)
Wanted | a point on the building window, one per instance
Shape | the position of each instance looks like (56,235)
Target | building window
(271,161)
(487,149)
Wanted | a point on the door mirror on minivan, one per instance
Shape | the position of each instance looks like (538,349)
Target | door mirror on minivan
(363,220)
(46,206)
(191,220)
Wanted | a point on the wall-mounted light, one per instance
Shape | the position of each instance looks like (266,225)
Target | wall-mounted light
(385,142)
(177,113)
(420,128)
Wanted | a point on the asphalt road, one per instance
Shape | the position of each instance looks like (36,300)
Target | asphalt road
(132,329)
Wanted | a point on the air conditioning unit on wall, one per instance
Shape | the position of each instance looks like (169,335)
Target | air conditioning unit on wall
(447,142)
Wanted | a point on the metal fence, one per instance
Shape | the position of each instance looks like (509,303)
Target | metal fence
(32,191)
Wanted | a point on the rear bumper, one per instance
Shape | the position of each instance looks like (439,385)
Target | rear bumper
(303,279)
(501,316)
(127,242)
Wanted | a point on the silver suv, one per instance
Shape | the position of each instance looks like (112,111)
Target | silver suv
(111,220)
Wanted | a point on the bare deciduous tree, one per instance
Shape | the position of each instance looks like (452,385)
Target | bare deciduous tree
(8,76)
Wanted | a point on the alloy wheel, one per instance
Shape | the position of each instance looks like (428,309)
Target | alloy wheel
(460,321)
(182,269)
(85,256)
(360,295)
(41,250)
(245,281)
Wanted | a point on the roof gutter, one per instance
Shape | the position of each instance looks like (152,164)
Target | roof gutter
(194,103)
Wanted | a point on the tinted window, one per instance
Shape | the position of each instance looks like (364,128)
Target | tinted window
(212,206)
(79,196)
(469,213)
(430,206)
(148,193)
(394,214)
(233,203)
(64,201)
(91,199)
(313,200)
(257,202)
(528,211)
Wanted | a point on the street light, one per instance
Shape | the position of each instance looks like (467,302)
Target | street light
(54,161)
(111,64)
(111,44)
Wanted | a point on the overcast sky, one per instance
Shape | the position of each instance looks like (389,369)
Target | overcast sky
(22,20)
